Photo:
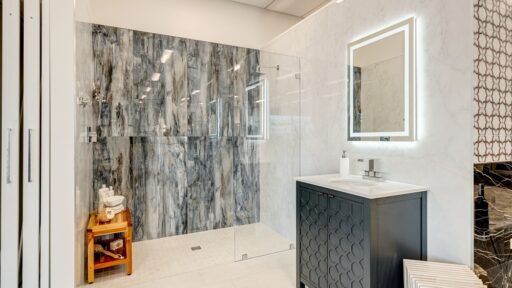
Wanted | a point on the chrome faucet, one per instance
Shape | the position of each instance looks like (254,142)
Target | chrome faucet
(369,173)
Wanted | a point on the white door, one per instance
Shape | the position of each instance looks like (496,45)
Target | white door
(20,169)
(11,124)
(31,142)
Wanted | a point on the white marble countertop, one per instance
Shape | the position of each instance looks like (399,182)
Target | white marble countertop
(358,186)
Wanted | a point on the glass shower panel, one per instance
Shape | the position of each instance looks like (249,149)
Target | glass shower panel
(269,158)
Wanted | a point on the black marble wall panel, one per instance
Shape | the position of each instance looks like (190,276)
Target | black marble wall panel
(170,116)
(493,223)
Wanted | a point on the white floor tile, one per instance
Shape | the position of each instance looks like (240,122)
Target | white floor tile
(170,262)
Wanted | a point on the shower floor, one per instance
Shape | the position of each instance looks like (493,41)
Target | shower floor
(171,261)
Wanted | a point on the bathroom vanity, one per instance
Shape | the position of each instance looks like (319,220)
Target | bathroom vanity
(353,232)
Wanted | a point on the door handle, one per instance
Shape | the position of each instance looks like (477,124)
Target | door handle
(29,155)
(9,156)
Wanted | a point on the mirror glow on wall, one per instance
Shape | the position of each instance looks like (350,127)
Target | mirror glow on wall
(381,85)
(256,101)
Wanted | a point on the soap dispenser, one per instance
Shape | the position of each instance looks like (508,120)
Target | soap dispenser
(344,165)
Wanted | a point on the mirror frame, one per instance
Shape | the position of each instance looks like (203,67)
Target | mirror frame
(409,134)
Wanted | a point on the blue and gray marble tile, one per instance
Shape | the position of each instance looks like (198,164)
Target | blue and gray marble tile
(170,116)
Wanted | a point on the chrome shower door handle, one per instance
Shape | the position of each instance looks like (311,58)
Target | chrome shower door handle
(29,155)
(9,156)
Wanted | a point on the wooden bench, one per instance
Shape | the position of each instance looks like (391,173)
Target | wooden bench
(122,223)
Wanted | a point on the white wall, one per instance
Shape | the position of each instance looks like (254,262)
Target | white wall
(83,151)
(218,21)
(442,156)
(59,76)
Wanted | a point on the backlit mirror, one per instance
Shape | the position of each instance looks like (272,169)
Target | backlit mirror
(382,85)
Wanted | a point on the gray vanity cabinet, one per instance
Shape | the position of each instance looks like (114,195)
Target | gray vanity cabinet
(349,241)
(313,237)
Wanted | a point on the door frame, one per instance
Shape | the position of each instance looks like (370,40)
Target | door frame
(58,141)
(31,143)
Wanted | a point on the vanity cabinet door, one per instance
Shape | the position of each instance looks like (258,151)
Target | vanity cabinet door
(347,242)
(313,238)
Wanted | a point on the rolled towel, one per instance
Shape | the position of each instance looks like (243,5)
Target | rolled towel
(112,211)
(99,249)
(113,201)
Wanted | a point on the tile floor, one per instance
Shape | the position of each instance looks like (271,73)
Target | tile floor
(170,262)
(258,239)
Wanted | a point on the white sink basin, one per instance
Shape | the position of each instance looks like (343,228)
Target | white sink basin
(353,182)
(358,186)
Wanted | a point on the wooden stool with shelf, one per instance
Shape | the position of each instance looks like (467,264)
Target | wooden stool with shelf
(122,223)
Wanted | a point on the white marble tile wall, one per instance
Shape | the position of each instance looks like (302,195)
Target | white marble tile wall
(442,156)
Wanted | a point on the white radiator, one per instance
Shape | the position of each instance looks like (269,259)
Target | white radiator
(423,274)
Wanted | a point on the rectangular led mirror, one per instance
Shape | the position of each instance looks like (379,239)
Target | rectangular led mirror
(381,92)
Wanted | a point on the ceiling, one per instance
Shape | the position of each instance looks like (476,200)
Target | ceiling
(299,8)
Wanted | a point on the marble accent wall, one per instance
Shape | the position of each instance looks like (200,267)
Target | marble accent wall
(170,118)
(493,224)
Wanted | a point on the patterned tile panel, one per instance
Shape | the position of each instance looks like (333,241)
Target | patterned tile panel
(493,80)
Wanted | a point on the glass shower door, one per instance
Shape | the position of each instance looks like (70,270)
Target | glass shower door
(268,156)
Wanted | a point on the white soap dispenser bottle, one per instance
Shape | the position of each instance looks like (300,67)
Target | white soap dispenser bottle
(344,165)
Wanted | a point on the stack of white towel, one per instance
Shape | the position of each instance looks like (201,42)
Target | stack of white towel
(114,205)
(110,203)
(438,275)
